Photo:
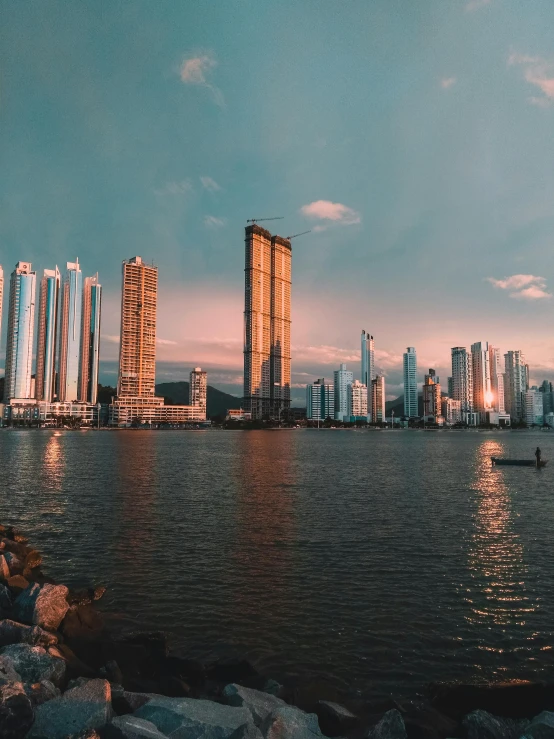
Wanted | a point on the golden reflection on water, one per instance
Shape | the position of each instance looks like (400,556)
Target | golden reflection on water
(498,594)
(53,474)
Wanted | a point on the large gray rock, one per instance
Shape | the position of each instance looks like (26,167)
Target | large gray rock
(288,722)
(247,731)
(195,719)
(41,692)
(259,704)
(335,719)
(8,673)
(15,564)
(6,599)
(391,726)
(87,706)
(34,664)
(13,633)
(483,725)
(42,605)
(16,711)
(541,727)
(132,727)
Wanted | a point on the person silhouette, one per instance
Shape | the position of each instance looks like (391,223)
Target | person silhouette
(538,456)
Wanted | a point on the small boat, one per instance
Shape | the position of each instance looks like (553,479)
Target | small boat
(519,462)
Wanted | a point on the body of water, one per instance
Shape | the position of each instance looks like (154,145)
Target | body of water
(376,560)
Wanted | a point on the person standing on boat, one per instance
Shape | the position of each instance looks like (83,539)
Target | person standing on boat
(538,456)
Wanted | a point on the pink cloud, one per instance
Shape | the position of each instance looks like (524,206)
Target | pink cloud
(538,72)
(525,287)
(326,210)
(447,82)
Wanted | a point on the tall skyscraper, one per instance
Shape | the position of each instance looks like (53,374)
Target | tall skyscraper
(198,388)
(320,401)
(48,310)
(378,413)
(410,383)
(515,384)
(267,311)
(1,296)
(357,400)
(343,379)
(462,385)
(90,340)
(69,356)
(21,324)
(432,396)
(497,379)
(368,358)
(137,349)
(481,379)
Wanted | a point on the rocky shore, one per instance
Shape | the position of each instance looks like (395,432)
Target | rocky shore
(64,674)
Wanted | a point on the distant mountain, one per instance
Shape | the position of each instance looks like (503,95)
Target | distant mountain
(397,405)
(218,401)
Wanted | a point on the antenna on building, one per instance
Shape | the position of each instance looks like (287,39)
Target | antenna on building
(256,220)
(288,238)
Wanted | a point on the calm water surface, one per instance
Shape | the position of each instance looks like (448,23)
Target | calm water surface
(379,560)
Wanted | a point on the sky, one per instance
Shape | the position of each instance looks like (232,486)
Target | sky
(414,140)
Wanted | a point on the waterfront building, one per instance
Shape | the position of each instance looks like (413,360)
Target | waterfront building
(357,401)
(432,397)
(20,329)
(237,414)
(343,380)
(547,397)
(90,340)
(534,413)
(48,308)
(267,320)
(462,386)
(198,389)
(320,401)
(497,380)
(69,355)
(451,411)
(481,379)
(515,384)
(378,413)
(410,383)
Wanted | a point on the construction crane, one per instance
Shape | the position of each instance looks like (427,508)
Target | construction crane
(256,220)
(288,238)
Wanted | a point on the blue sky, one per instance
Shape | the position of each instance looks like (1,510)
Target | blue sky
(414,139)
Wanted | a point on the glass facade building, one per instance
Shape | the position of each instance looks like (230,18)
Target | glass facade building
(410,383)
(21,322)
(90,340)
(70,333)
(47,335)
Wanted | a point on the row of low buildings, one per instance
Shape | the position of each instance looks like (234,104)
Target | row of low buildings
(65,381)
(346,399)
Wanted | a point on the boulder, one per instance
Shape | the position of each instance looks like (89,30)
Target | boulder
(335,719)
(289,722)
(197,719)
(83,630)
(391,726)
(34,664)
(32,560)
(98,592)
(13,633)
(273,687)
(541,727)
(247,731)
(8,673)
(75,667)
(421,719)
(130,702)
(84,707)
(16,711)
(132,727)
(15,564)
(6,599)
(41,692)
(17,584)
(4,568)
(18,548)
(482,725)
(259,704)
(43,605)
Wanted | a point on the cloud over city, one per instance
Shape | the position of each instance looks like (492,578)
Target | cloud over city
(522,287)
(196,70)
(538,72)
(325,210)
(209,184)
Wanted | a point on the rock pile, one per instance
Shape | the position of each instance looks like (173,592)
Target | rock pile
(63,675)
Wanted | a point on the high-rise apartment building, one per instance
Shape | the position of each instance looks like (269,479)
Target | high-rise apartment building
(198,389)
(462,379)
(267,306)
(497,379)
(378,413)
(410,383)
(343,379)
(516,383)
(69,355)
(534,411)
(137,349)
(90,340)
(1,296)
(481,379)
(21,324)
(432,396)
(547,397)
(48,309)
(357,400)
(320,401)
(367,358)
(451,411)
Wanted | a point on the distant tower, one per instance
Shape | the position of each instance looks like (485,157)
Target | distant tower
(497,379)
(21,323)
(432,396)
(368,359)
(410,383)
(267,320)
(90,342)
(515,384)
(481,379)
(378,413)
(70,333)
(137,348)
(320,401)
(198,388)
(48,309)
(462,379)
(357,400)
(343,379)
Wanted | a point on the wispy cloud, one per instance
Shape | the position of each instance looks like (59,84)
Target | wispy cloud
(213,222)
(476,4)
(447,82)
(325,210)
(196,70)
(175,188)
(522,287)
(166,342)
(538,72)
(209,184)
